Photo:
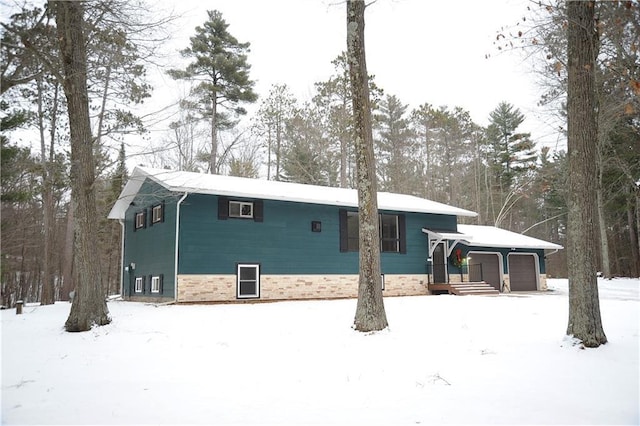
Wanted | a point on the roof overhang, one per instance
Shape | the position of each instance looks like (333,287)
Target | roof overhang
(491,236)
(199,183)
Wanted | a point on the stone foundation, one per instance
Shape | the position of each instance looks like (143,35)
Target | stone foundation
(222,288)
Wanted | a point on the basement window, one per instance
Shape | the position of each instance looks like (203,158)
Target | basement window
(139,285)
(156,284)
(248,281)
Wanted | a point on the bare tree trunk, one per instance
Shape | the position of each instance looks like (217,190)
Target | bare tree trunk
(48,213)
(633,237)
(269,153)
(344,148)
(585,322)
(89,307)
(67,256)
(602,226)
(278,146)
(370,313)
(213,160)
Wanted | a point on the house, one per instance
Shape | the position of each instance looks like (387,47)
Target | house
(194,237)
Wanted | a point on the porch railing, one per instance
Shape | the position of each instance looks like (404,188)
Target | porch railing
(439,274)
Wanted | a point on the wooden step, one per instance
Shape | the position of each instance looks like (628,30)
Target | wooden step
(476,288)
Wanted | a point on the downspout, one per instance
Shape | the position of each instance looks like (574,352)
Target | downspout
(175,266)
(553,252)
(121,259)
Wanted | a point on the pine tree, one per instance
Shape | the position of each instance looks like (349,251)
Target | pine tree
(220,67)
(512,156)
(396,151)
(274,113)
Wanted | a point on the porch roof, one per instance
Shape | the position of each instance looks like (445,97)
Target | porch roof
(450,239)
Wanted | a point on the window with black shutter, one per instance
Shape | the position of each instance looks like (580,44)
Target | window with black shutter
(392,232)
(140,220)
(238,209)
(157,213)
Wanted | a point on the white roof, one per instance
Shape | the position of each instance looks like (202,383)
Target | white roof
(490,236)
(200,183)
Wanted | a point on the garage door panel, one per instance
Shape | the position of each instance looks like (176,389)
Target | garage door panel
(489,271)
(522,273)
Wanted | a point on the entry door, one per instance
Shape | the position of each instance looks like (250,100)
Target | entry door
(439,265)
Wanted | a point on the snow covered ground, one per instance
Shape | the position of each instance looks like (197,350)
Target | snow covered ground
(444,359)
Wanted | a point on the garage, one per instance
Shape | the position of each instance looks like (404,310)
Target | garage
(485,267)
(523,275)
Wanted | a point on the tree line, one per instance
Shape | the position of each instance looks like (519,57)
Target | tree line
(436,152)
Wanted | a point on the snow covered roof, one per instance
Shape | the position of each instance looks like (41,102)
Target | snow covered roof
(200,183)
(490,236)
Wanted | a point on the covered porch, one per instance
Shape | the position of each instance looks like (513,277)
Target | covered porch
(448,271)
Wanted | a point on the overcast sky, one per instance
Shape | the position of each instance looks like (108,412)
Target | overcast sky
(431,51)
(422,51)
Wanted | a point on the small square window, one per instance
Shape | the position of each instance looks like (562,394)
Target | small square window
(156,213)
(316,226)
(139,284)
(140,220)
(155,284)
(240,209)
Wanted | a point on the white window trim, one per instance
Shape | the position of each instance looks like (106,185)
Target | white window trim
(156,213)
(256,295)
(138,288)
(155,284)
(241,204)
(140,220)
(396,238)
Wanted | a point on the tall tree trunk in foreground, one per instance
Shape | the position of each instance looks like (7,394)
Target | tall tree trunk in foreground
(370,313)
(584,306)
(89,307)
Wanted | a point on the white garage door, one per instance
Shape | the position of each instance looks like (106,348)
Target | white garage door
(522,272)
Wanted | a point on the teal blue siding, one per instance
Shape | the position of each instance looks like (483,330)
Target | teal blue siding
(284,243)
(152,248)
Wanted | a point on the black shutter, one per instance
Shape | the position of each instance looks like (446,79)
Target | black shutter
(144,284)
(162,211)
(151,216)
(258,211)
(402,233)
(161,283)
(223,208)
(344,243)
(150,283)
(147,216)
(135,225)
